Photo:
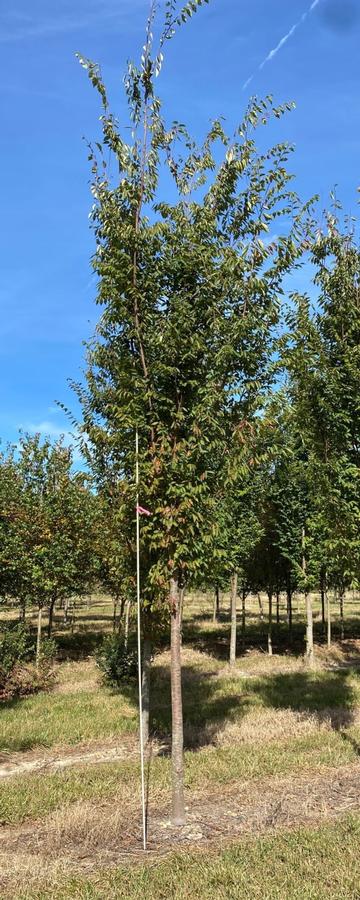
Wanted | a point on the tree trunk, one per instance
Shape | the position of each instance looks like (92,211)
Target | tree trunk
(270,624)
(126,629)
(115,605)
(309,630)
(182,597)
(22,611)
(243,616)
(278,607)
(66,610)
(322,597)
(289,611)
(328,619)
(38,637)
(261,608)
(145,684)
(73,617)
(216,611)
(341,603)
(51,616)
(177,749)
(233,596)
(121,612)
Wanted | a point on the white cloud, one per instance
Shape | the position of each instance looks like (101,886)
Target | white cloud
(286,37)
(48,429)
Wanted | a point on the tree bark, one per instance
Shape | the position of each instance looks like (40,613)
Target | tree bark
(115,603)
(22,609)
(145,684)
(126,629)
(66,610)
(322,597)
(243,616)
(177,748)
(38,637)
(261,608)
(289,610)
(216,611)
(328,619)
(270,624)
(278,607)
(51,616)
(309,630)
(121,612)
(182,598)
(233,596)
(341,603)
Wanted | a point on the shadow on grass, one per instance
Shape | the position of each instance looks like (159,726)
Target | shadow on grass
(77,645)
(209,704)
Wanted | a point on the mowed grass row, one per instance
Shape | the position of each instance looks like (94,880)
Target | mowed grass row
(211,700)
(302,864)
(35,796)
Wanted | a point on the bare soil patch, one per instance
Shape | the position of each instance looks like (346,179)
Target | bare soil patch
(94,752)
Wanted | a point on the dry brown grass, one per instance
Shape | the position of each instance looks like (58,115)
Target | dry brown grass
(77,677)
(86,838)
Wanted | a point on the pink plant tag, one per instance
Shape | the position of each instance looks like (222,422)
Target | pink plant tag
(142,511)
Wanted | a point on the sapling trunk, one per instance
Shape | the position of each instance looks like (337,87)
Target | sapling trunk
(66,610)
(126,629)
(177,748)
(270,624)
(145,684)
(278,607)
(243,616)
(22,613)
(182,598)
(233,596)
(115,605)
(216,610)
(51,616)
(261,608)
(309,630)
(328,618)
(289,611)
(322,597)
(38,637)
(341,604)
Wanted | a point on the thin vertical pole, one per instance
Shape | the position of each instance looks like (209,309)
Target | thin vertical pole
(139,638)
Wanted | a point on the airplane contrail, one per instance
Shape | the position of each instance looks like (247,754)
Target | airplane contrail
(281,43)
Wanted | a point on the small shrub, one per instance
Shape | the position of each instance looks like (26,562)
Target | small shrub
(47,651)
(117,662)
(17,645)
(18,673)
(26,679)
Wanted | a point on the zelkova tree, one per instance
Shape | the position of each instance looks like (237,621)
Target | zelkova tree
(189,292)
(324,383)
(48,520)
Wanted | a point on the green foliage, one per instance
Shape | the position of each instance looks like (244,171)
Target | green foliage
(190,295)
(18,674)
(47,524)
(17,645)
(117,661)
(324,366)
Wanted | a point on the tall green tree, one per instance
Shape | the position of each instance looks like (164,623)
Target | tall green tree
(324,366)
(190,292)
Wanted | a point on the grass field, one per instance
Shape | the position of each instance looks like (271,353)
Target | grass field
(272,769)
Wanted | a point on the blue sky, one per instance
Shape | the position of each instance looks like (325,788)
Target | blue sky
(47,105)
